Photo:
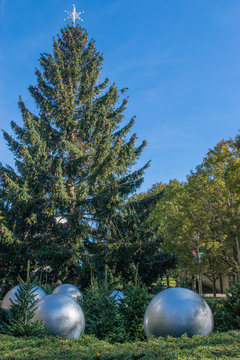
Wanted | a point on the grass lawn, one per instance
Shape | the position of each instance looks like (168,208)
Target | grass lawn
(172,282)
(216,346)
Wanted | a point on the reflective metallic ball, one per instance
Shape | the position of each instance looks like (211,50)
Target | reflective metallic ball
(60,220)
(61,316)
(176,311)
(69,290)
(118,296)
(11,294)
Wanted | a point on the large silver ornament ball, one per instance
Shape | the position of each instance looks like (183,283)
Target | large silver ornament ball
(69,290)
(176,311)
(61,316)
(118,296)
(11,294)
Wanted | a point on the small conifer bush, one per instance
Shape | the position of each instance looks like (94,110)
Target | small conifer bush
(103,318)
(18,321)
(132,309)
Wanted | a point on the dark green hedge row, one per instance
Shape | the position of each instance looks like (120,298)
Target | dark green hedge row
(226,312)
(215,346)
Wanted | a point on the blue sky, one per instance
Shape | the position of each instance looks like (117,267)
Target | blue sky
(180,60)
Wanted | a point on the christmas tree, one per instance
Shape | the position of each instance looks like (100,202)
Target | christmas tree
(131,245)
(73,163)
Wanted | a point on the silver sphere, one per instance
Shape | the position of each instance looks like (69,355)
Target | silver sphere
(176,311)
(11,294)
(69,290)
(61,316)
(60,220)
(118,296)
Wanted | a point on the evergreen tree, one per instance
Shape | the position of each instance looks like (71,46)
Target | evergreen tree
(132,309)
(19,320)
(103,317)
(73,162)
(131,246)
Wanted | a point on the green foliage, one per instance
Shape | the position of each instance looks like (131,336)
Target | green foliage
(133,249)
(132,308)
(103,318)
(6,284)
(199,215)
(216,346)
(73,160)
(185,283)
(158,286)
(216,304)
(18,320)
(47,287)
(228,313)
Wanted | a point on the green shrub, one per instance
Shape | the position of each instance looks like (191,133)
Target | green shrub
(132,308)
(158,287)
(185,282)
(103,318)
(228,311)
(48,288)
(17,321)
(215,304)
(215,346)
(6,285)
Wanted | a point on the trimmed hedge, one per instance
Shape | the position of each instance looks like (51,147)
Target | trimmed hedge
(215,346)
(226,312)
(216,304)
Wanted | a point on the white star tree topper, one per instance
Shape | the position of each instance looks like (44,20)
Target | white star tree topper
(74,15)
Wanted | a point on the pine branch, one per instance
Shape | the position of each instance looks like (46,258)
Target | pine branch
(22,310)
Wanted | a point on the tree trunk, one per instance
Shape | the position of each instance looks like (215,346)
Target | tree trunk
(214,287)
(221,285)
(70,184)
(28,269)
(106,277)
(238,258)
(200,284)
(135,271)
(71,192)
(193,283)
(167,278)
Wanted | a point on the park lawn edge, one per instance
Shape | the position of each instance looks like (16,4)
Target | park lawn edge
(215,346)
